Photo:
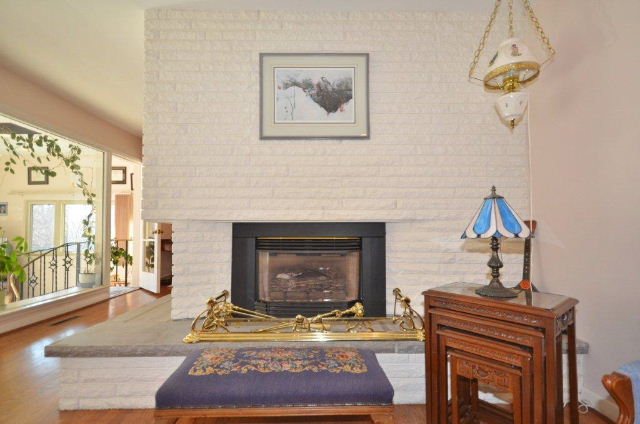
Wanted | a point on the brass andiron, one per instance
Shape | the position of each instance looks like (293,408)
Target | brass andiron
(221,322)
(409,318)
(219,310)
(318,323)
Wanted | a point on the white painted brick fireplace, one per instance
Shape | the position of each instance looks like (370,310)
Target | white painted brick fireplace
(436,143)
(436,147)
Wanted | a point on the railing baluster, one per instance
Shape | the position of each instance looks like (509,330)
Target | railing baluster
(54,272)
(126,264)
(67,264)
(50,261)
(43,272)
(78,263)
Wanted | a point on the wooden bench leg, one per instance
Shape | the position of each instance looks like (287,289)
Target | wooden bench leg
(382,419)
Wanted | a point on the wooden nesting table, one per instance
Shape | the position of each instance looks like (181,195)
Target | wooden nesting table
(511,345)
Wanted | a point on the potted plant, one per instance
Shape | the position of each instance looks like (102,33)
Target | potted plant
(87,276)
(119,255)
(29,150)
(11,270)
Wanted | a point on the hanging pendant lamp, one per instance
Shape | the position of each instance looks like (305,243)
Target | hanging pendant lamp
(513,65)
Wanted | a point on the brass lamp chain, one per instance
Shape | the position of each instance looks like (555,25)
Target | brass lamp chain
(483,40)
(532,17)
(511,31)
(541,34)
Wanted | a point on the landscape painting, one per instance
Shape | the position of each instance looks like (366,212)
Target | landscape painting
(314,95)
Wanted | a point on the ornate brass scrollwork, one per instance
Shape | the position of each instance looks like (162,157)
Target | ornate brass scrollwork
(409,320)
(348,324)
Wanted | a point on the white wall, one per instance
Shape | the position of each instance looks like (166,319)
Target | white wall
(585,150)
(31,103)
(436,143)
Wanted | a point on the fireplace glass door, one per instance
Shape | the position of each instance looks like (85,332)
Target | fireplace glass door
(308,275)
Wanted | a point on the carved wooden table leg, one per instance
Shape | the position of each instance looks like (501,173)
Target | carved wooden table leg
(455,392)
(442,390)
(551,380)
(573,372)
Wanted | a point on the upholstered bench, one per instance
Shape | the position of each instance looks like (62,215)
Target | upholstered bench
(276,382)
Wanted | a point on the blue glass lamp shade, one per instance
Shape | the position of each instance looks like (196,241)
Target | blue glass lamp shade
(496,218)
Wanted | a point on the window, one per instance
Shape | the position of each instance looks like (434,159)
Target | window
(74,214)
(50,215)
(43,224)
(54,223)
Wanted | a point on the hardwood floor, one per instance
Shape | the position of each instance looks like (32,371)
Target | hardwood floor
(29,381)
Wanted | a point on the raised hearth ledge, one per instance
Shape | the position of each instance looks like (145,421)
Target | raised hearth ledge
(149,331)
(121,363)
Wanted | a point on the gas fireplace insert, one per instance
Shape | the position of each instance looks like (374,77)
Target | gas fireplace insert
(289,269)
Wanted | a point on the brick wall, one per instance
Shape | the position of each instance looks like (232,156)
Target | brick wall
(436,143)
(105,383)
(108,383)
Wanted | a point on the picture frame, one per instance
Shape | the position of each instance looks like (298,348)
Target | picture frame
(4,208)
(314,96)
(36,177)
(118,175)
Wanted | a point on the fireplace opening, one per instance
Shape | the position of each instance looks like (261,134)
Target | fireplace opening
(289,269)
(308,270)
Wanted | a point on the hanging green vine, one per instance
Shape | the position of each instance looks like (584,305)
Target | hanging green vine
(23,149)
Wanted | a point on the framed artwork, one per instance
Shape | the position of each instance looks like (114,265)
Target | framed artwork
(4,208)
(36,177)
(118,175)
(310,96)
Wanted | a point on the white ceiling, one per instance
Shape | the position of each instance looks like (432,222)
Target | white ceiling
(92,51)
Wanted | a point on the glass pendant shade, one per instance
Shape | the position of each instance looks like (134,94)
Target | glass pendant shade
(496,218)
(511,106)
(512,66)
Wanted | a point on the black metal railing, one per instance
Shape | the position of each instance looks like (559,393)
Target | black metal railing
(51,270)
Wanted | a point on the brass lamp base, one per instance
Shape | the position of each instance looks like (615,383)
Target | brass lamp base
(496,290)
(495,287)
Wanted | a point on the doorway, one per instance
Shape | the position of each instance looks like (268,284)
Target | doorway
(126,205)
(157,248)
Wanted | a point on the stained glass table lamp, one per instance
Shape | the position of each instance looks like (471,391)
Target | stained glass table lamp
(496,219)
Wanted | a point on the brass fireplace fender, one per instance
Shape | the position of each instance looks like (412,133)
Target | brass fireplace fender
(221,317)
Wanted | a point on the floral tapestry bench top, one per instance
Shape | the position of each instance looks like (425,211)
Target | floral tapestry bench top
(276,376)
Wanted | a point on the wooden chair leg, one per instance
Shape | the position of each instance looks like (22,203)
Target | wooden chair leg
(382,419)
(620,388)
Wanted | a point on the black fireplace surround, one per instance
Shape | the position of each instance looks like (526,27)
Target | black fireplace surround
(285,269)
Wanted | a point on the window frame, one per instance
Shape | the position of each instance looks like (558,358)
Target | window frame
(59,213)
